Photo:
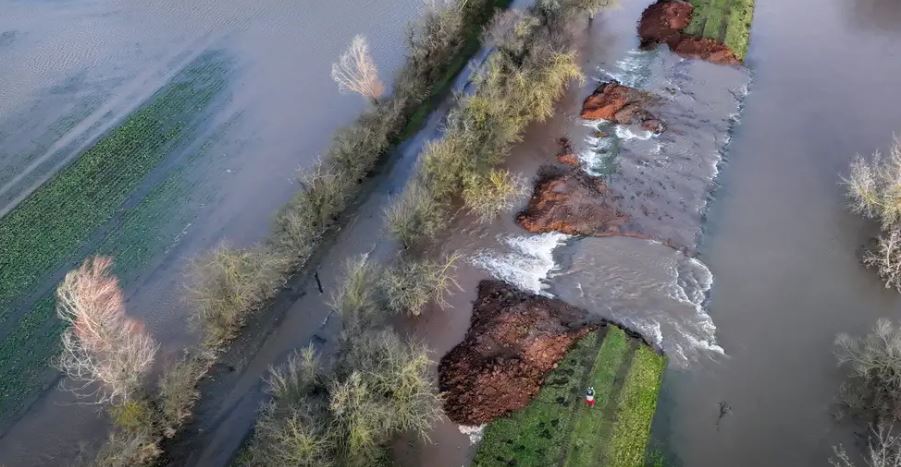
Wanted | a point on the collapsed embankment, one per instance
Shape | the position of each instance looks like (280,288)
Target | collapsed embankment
(515,338)
(695,29)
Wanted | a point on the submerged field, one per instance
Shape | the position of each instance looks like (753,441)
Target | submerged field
(104,202)
(727,21)
(557,428)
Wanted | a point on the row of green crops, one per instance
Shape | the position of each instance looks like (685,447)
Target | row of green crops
(557,428)
(51,229)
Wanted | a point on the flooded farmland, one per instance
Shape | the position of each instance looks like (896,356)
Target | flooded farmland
(74,71)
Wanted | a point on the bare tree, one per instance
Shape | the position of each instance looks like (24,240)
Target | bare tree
(106,352)
(885,258)
(873,385)
(883,450)
(355,71)
(874,186)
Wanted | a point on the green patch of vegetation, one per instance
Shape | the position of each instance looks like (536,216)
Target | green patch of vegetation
(635,413)
(728,21)
(557,428)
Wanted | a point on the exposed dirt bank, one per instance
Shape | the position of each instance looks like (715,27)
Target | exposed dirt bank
(574,203)
(621,104)
(514,340)
(665,21)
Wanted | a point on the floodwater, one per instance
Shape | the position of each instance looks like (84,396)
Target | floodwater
(72,70)
(781,244)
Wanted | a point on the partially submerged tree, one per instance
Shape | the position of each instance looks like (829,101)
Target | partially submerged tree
(355,71)
(885,258)
(488,195)
(874,186)
(105,351)
(883,450)
(411,284)
(873,386)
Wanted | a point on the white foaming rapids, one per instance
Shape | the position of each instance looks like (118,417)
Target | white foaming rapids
(526,263)
(474,433)
(647,286)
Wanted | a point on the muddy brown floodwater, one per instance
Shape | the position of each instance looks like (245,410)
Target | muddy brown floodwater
(781,244)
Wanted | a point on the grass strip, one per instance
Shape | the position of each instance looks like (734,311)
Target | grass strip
(637,405)
(727,21)
(536,435)
(558,429)
(592,427)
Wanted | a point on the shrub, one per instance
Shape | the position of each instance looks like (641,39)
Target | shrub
(105,352)
(356,300)
(411,284)
(178,391)
(136,415)
(488,195)
(874,186)
(399,372)
(873,385)
(418,215)
(229,284)
(127,449)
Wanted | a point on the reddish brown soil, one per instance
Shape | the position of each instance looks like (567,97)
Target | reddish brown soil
(664,22)
(567,155)
(574,203)
(621,104)
(514,340)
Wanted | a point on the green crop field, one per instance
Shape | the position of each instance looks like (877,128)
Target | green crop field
(81,211)
(557,428)
(728,21)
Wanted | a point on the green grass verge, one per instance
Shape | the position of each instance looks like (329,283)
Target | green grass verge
(637,405)
(728,21)
(145,229)
(558,429)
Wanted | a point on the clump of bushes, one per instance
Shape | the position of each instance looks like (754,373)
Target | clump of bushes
(379,386)
(874,188)
(231,282)
(519,85)
(411,284)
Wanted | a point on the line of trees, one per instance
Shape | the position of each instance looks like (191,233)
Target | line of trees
(228,285)
(874,188)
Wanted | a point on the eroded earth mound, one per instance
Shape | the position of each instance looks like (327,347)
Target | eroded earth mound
(514,340)
(621,104)
(665,22)
(574,203)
